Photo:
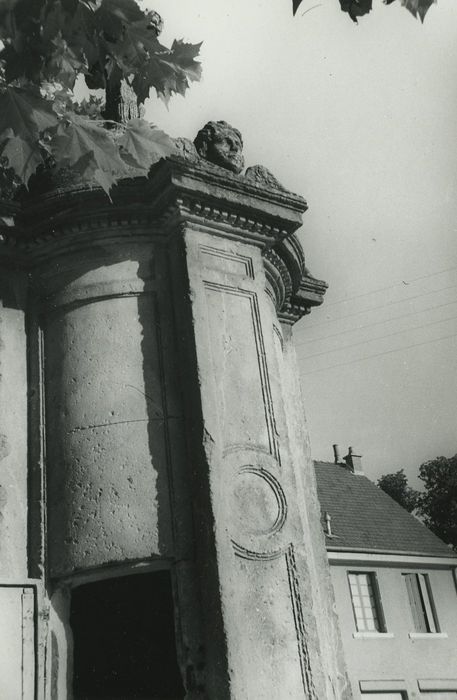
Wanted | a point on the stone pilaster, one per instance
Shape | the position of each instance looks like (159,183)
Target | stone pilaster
(239,282)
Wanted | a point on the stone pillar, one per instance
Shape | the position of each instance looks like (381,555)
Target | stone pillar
(239,283)
(167,427)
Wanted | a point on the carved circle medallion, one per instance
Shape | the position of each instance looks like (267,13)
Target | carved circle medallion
(258,502)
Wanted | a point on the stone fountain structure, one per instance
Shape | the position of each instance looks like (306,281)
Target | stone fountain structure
(151,419)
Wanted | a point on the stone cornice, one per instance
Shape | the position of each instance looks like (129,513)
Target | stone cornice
(293,295)
(176,186)
(216,177)
(180,191)
(247,209)
(310,293)
(234,205)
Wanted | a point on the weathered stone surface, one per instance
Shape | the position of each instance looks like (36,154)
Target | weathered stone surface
(5,448)
(186,148)
(107,478)
(267,565)
(262,177)
(13,428)
(323,602)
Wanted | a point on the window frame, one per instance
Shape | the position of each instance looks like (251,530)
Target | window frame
(380,694)
(375,598)
(381,688)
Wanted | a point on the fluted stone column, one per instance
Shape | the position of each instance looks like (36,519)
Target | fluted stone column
(168,428)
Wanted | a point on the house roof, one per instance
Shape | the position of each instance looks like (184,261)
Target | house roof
(364,518)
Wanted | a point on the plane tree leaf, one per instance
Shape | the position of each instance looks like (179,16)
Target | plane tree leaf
(23,157)
(25,113)
(136,43)
(183,56)
(24,119)
(358,8)
(142,145)
(84,144)
(418,8)
(169,71)
(64,64)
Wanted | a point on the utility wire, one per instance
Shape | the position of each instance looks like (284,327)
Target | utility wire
(376,323)
(375,308)
(379,354)
(378,337)
(392,286)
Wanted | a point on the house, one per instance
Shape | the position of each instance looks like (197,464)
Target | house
(395,589)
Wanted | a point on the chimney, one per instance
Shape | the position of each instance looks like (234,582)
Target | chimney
(337,453)
(354,461)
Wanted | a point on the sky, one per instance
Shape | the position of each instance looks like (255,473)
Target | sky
(362,121)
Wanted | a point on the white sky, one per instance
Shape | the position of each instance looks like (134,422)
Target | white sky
(362,121)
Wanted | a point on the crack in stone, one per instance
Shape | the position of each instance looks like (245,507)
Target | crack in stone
(105,425)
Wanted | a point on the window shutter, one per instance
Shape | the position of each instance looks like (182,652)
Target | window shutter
(414,596)
(426,600)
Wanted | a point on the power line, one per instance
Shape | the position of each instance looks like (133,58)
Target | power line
(378,337)
(376,323)
(379,354)
(392,286)
(375,308)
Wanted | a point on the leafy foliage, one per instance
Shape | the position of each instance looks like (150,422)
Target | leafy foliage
(418,8)
(22,157)
(86,145)
(358,8)
(45,45)
(141,144)
(396,486)
(25,113)
(438,503)
(169,72)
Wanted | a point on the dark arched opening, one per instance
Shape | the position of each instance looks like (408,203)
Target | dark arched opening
(124,639)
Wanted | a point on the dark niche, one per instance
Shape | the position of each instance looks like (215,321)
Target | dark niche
(124,639)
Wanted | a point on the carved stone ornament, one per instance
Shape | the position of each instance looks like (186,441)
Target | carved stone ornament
(155,21)
(221,144)
(261,176)
(259,503)
(185,148)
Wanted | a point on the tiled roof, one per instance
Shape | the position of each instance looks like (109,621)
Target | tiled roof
(363,517)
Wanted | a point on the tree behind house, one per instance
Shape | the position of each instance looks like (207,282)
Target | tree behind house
(396,486)
(437,505)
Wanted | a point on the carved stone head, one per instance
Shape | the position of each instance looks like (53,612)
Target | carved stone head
(222,145)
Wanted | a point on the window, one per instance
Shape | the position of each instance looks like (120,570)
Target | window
(366,602)
(421,602)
